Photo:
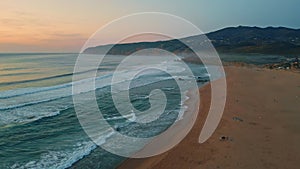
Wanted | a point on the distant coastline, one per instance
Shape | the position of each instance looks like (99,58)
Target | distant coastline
(242,39)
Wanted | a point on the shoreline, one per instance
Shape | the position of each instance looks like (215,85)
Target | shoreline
(189,104)
(259,125)
(171,136)
(150,162)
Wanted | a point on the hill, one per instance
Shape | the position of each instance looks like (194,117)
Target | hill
(242,39)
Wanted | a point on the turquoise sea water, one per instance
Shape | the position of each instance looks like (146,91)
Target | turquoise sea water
(39,127)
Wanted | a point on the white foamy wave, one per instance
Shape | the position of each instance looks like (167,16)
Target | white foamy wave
(130,117)
(27,97)
(27,111)
(168,88)
(107,134)
(13,120)
(183,106)
(64,159)
(28,104)
(59,159)
(181,112)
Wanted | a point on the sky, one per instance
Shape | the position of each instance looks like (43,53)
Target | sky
(65,25)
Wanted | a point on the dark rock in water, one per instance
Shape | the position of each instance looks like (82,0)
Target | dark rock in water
(202,79)
(117,128)
(30,117)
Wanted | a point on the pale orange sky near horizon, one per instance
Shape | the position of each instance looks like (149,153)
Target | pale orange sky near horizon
(34,25)
(46,26)
(65,25)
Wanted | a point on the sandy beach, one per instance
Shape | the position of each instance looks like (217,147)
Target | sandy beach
(260,126)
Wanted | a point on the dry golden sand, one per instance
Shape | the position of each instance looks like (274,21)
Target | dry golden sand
(268,102)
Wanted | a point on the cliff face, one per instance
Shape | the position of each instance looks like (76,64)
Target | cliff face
(240,39)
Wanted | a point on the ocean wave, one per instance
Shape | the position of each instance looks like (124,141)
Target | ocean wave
(30,103)
(130,117)
(28,91)
(35,80)
(25,91)
(12,68)
(183,106)
(17,74)
(58,159)
(66,158)
(21,98)
(59,95)
(30,96)
(46,78)
(12,120)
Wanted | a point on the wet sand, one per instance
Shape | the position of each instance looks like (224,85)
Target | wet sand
(261,126)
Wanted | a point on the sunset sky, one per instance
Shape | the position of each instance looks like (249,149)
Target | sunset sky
(64,25)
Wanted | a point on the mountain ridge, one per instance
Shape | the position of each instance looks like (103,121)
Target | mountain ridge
(241,39)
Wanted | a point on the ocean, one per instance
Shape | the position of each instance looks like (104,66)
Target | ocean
(39,127)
